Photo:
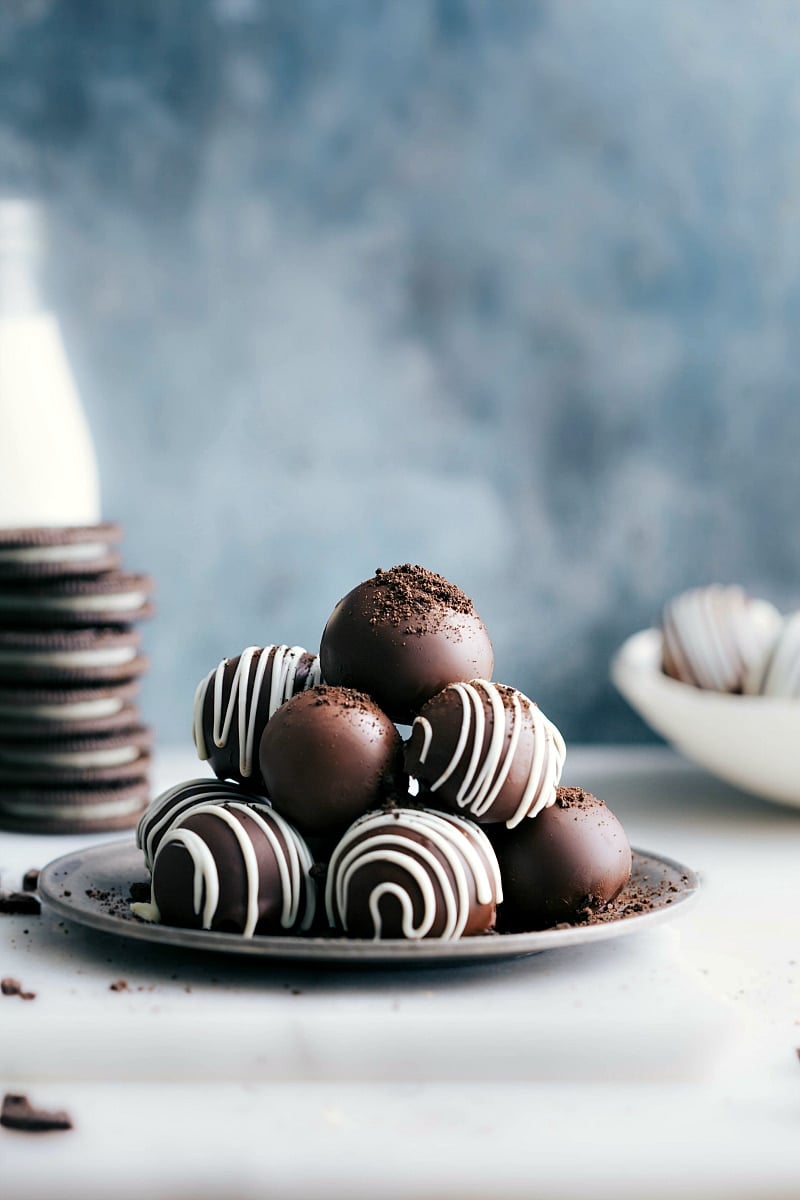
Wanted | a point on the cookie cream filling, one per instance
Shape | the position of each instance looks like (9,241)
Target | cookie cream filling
(108,602)
(117,756)
(81,710)
(108,656)
(74,813)
(78,552)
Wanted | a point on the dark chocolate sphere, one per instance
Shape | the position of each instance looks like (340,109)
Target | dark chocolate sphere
(570,860)
(234,702)
(486,750)
(413,873)
(234,868)
(329,755)
(402,636)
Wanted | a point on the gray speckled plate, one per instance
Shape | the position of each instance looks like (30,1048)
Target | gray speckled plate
(92,887)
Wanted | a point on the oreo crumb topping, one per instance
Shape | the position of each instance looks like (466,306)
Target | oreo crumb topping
(415,598)
(575,797)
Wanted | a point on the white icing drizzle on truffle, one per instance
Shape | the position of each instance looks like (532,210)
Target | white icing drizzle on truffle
(715,636)
(486,772)
(273,666)
(383,838)
(292,858)
(171,804)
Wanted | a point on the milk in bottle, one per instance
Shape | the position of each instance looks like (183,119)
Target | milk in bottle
(48,469)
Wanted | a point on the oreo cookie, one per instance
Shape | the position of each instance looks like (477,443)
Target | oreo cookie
(77,809)
(110,599)
(74,753)
(121,755)
(41,553)
(61,712)
(75,657)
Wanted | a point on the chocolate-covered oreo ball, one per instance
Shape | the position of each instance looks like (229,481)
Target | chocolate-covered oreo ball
(234,702)
(714,637)
(402,636)
(175,802)
(233,868)
(486,750)
(413,873)
(778,672)
(570,860)
(329,755)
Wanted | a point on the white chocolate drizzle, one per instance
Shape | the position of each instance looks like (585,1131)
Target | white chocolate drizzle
(292,859)
(270,666)
(487,771)
(171,804)
(457,852)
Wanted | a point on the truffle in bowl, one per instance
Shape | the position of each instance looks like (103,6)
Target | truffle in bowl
(751,741)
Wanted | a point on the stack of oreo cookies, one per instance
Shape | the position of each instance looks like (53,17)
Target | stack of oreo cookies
(74,752)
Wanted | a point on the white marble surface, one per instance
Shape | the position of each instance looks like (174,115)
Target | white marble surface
(661,1062)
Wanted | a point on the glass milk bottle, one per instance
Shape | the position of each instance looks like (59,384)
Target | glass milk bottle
(48,469)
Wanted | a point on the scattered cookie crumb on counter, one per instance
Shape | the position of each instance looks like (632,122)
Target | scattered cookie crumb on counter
(19,904)
(30,880)
(13,987)
(18,1113)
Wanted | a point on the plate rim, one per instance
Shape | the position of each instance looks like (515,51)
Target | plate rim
(343,950)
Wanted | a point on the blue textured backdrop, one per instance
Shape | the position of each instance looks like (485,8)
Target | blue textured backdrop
(509,289)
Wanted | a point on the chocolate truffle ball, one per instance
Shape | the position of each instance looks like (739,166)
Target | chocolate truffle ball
(402,636)
(234,702)
(778,673)
(329,755)
(486,750)
(413,873)
(570,860)
(233,868)
(174,803)
(715,636)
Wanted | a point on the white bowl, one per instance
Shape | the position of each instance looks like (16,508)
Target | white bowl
(752,742)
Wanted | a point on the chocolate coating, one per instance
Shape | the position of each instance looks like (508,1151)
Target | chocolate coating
(329,755)
(249,870)
(413,873)
(572,857)
(234,702)
(486,750)
(402,636)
